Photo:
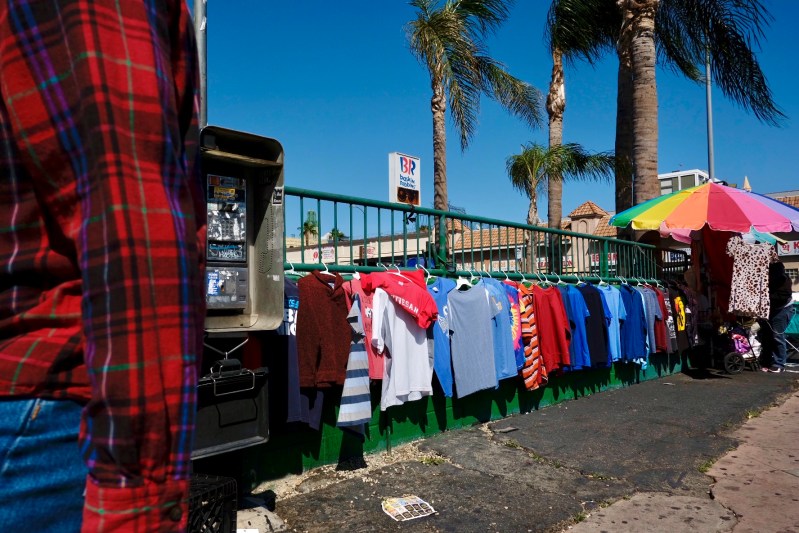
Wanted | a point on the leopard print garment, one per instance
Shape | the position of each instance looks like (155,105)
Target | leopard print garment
(749,290)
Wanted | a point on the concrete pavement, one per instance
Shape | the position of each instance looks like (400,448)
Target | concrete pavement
(690,452)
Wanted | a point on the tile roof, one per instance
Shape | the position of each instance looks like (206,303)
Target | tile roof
(491,238)
(588,209)
(604,229)
(790,200)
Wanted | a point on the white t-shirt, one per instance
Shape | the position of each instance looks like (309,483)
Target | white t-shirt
(408,370)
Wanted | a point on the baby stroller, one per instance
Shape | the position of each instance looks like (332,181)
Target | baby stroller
(737,346)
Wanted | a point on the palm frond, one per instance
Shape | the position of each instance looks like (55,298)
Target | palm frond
(568,162)
(582,29)
(520,98)
(449,40)
(730,30)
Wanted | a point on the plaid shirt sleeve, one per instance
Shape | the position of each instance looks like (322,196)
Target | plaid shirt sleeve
(103,225)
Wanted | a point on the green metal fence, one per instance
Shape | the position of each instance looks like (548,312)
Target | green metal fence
(348,234)
(370,236)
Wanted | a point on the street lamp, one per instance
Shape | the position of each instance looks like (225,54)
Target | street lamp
(352,225)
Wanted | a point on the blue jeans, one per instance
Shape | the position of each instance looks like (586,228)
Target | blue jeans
(42,474)
(779,323)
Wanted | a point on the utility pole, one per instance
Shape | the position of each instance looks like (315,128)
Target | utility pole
(200,27)
(708,85)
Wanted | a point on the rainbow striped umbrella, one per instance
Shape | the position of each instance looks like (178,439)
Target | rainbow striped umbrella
(718,206)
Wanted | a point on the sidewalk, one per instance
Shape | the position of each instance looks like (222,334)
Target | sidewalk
(633,459)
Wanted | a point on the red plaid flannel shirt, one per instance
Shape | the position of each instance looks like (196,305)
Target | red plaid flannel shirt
(102,224)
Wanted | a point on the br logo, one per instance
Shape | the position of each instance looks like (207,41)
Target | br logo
(407,165)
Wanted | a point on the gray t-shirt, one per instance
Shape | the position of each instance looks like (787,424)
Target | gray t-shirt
(471,341)
(653,313)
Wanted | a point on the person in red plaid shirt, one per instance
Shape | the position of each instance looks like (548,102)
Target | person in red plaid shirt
(102,229)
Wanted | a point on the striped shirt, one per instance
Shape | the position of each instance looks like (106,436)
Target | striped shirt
(102,221)
(534,372)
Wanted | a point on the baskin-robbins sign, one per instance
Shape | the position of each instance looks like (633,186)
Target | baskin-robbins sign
(404,179)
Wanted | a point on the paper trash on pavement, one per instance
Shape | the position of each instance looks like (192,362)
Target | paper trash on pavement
(407,508)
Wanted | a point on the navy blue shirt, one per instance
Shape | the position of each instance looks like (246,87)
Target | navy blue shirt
(596,325)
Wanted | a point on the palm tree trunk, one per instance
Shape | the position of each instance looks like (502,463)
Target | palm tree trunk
(624,138)
(532,212)
(556,105)
(640,24)
(438,104)
(530,236)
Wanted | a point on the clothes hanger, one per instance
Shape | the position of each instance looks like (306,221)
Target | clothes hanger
(400,274)
(291,271)
(326,271)
(427,273)
(462,283)
(560,281)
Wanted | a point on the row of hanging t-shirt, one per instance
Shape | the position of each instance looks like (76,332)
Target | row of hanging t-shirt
(403,327)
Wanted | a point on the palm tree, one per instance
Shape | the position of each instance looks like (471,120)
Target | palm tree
(684,32)
(449,40)
(563,17)
(689,31)
(309,228)
(637,44)
(531,170)
(337,235)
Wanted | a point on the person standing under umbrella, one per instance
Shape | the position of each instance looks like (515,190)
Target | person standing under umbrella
(779,291)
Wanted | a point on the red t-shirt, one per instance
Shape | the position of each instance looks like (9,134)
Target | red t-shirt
(553,327)
(408,290)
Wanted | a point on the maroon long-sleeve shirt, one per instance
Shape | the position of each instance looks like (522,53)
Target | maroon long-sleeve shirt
(323,333)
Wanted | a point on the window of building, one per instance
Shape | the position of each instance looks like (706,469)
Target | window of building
(687,181)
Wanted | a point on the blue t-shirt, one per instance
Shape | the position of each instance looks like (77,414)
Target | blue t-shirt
(577,312)
(618,313)
(442,363)
(633,330)
(504,355)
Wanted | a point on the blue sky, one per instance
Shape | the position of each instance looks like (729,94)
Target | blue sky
(336,84)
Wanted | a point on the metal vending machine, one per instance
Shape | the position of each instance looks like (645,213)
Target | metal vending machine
(243,176)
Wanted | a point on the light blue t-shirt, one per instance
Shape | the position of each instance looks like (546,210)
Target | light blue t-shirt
(470,341)
(504,355)
(442,364)
(618,313)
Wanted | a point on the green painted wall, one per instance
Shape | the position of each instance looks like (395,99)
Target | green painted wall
(295,448)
